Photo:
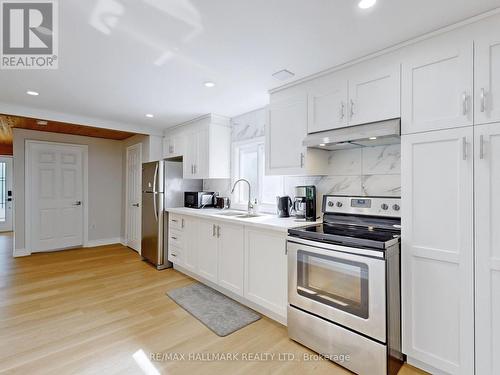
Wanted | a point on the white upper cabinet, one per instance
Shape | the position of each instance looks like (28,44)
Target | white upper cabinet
(437,77)
(204,144)
(487,183)
(327,103)
(368,92)
(487,78)
(174,145)
(374,92)
(286,131)
(438,250)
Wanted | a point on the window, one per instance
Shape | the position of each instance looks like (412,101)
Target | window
(249,163)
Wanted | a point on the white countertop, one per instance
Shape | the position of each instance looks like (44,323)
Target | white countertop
(265,221)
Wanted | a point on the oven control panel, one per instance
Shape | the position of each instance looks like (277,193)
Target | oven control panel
(374,206)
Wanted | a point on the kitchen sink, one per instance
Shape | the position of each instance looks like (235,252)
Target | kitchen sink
(231,213)
(238,214)
(248,216)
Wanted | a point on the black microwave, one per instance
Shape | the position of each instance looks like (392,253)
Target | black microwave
(198,199)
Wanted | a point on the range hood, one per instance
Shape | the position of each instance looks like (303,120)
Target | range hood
(367,135)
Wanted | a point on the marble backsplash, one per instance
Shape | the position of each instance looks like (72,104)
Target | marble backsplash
(367,171)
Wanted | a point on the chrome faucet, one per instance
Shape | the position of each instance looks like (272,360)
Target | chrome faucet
(250,205)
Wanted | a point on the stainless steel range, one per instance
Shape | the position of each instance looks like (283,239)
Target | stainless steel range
(344,284)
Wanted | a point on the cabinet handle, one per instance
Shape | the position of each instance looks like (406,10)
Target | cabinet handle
(464,148)
(342,110)
(213,230)
(481,147)
(173,254)
(174,238)
(352,108)
(175,220)
(182,223)
(483,100)
(218,231)
(465,106)
(301,160)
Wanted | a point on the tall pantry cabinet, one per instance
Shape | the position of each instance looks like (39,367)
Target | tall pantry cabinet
(451,198)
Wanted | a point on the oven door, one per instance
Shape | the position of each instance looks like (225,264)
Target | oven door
(345,288)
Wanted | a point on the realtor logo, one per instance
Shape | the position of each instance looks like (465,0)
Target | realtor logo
(29,34)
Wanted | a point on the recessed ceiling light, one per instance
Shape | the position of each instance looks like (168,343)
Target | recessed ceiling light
(41,122)
(32,93)
(209,84)
(372,138)
(365,4)
(283,75)
(322,144)
(149,115)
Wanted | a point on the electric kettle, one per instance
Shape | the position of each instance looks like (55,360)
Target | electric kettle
(284,205)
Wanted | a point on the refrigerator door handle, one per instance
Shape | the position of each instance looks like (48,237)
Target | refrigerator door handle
(154,206)
(154,178)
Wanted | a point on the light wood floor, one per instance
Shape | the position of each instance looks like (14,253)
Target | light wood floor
(95,311)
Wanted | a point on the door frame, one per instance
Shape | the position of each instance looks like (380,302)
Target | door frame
(28,143)
(127,206)
(12,202)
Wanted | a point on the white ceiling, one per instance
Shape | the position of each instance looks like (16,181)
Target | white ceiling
(156,56)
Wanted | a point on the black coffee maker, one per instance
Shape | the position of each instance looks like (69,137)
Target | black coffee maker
(284,205)
(304,203)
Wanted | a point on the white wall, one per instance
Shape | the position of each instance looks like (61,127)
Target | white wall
(105,170)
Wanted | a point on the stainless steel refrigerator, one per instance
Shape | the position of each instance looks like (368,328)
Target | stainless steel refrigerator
(162,187)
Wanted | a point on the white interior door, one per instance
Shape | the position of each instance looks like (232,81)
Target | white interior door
(6,199)
(133,214)
(54,191)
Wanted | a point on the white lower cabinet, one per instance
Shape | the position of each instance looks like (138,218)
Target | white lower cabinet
(246,261)
(207,250)
(266,269)
(231,257)
(487,189)
(438,250)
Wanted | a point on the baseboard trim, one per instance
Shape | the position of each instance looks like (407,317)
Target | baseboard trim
(21,253)
(103,242)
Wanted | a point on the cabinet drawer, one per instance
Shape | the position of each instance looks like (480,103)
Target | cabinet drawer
(175,254)
(176,222)
(175,238)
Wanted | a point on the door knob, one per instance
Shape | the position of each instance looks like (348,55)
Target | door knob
(78,203)
(136,205)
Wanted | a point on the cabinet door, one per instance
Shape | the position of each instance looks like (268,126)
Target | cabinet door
(286,129)
(487,184)
(190,242)
(266,269)
(190,155)
(166,147)
(327,103)
(231,257)
(437,250)
(487,83)
(374,92)
(201,163)
(207,250)
(437,85)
